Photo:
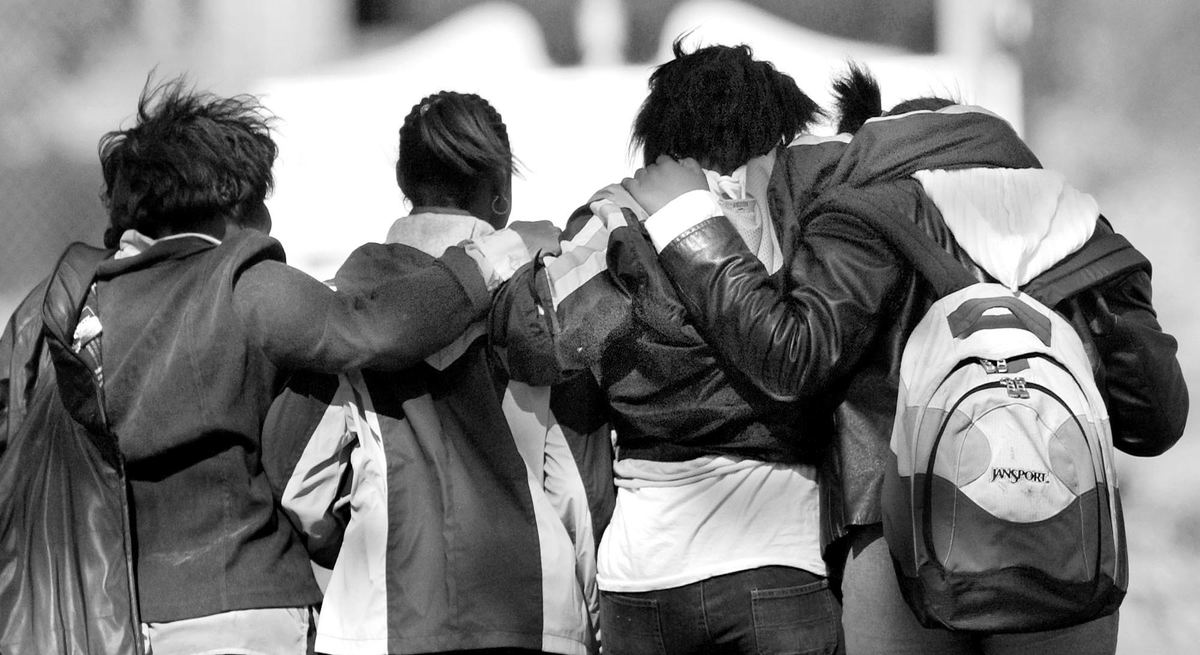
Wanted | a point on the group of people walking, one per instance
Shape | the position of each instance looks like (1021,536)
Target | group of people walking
(664,429)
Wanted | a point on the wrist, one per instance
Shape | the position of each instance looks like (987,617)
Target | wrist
(679,215)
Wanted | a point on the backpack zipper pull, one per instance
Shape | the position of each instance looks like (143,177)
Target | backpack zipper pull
(1015,386)
(991,366)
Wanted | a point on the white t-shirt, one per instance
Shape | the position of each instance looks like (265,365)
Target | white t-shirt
(676,523)
(680,522)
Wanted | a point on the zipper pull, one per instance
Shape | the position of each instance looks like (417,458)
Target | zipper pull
(1015,386)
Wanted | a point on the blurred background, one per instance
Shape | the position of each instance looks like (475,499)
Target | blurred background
(1104,90)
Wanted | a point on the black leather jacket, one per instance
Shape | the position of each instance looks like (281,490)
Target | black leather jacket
(840,327)
(664,390)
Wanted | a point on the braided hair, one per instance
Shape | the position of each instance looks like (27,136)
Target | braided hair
(721,107)
(451,142)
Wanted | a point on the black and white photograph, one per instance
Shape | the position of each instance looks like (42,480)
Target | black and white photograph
(599,327)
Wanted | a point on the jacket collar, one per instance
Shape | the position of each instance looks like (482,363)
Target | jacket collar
(138,251)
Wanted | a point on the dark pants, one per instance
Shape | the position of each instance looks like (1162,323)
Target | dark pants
(774,609)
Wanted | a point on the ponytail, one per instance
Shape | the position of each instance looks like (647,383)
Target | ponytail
(857,97)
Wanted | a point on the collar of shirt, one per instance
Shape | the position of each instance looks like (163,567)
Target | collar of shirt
(135,243)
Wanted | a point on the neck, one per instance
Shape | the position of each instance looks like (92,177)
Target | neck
(213,227)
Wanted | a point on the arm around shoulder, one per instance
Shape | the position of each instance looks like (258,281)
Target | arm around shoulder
(793,341)
(406,316)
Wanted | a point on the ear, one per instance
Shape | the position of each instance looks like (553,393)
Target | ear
(499,191)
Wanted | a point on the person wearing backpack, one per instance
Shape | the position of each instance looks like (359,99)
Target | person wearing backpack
(167,354)
(853,298)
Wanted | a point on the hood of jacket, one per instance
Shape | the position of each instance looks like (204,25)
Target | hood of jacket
(1014,223)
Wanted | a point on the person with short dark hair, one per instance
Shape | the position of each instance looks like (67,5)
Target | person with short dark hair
(714,541)
(841,320)
(187,332)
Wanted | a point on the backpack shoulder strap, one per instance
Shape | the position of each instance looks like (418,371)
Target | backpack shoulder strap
(76,369)
(1103,258)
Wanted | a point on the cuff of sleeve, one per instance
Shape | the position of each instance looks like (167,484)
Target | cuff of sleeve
(680,215)
(498,255)
(466,270)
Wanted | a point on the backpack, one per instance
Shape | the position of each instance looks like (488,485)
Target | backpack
(66,575)
(1000,501)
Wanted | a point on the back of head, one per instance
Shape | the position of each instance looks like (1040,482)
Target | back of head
(450,143)
(193,161)
(721,107)
(858,99)
(923,103)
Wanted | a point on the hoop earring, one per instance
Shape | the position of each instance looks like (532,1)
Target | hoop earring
(498,211)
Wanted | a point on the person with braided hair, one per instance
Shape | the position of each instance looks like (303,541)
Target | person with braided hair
(467,525)
(455,155)
(168,349)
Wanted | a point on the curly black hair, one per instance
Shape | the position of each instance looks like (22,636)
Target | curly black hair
(190,158)
(448,143)
(721,107)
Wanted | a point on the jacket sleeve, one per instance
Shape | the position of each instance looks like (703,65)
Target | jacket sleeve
(308,436)
(795,342)
(555,316)
(1138,370)
(520,327)
(408,315)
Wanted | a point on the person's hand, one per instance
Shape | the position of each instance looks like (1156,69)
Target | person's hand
(539,236)
(663,181)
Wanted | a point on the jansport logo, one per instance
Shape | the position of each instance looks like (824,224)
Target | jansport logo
(1016,475)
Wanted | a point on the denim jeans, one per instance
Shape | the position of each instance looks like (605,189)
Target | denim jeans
(774,610)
